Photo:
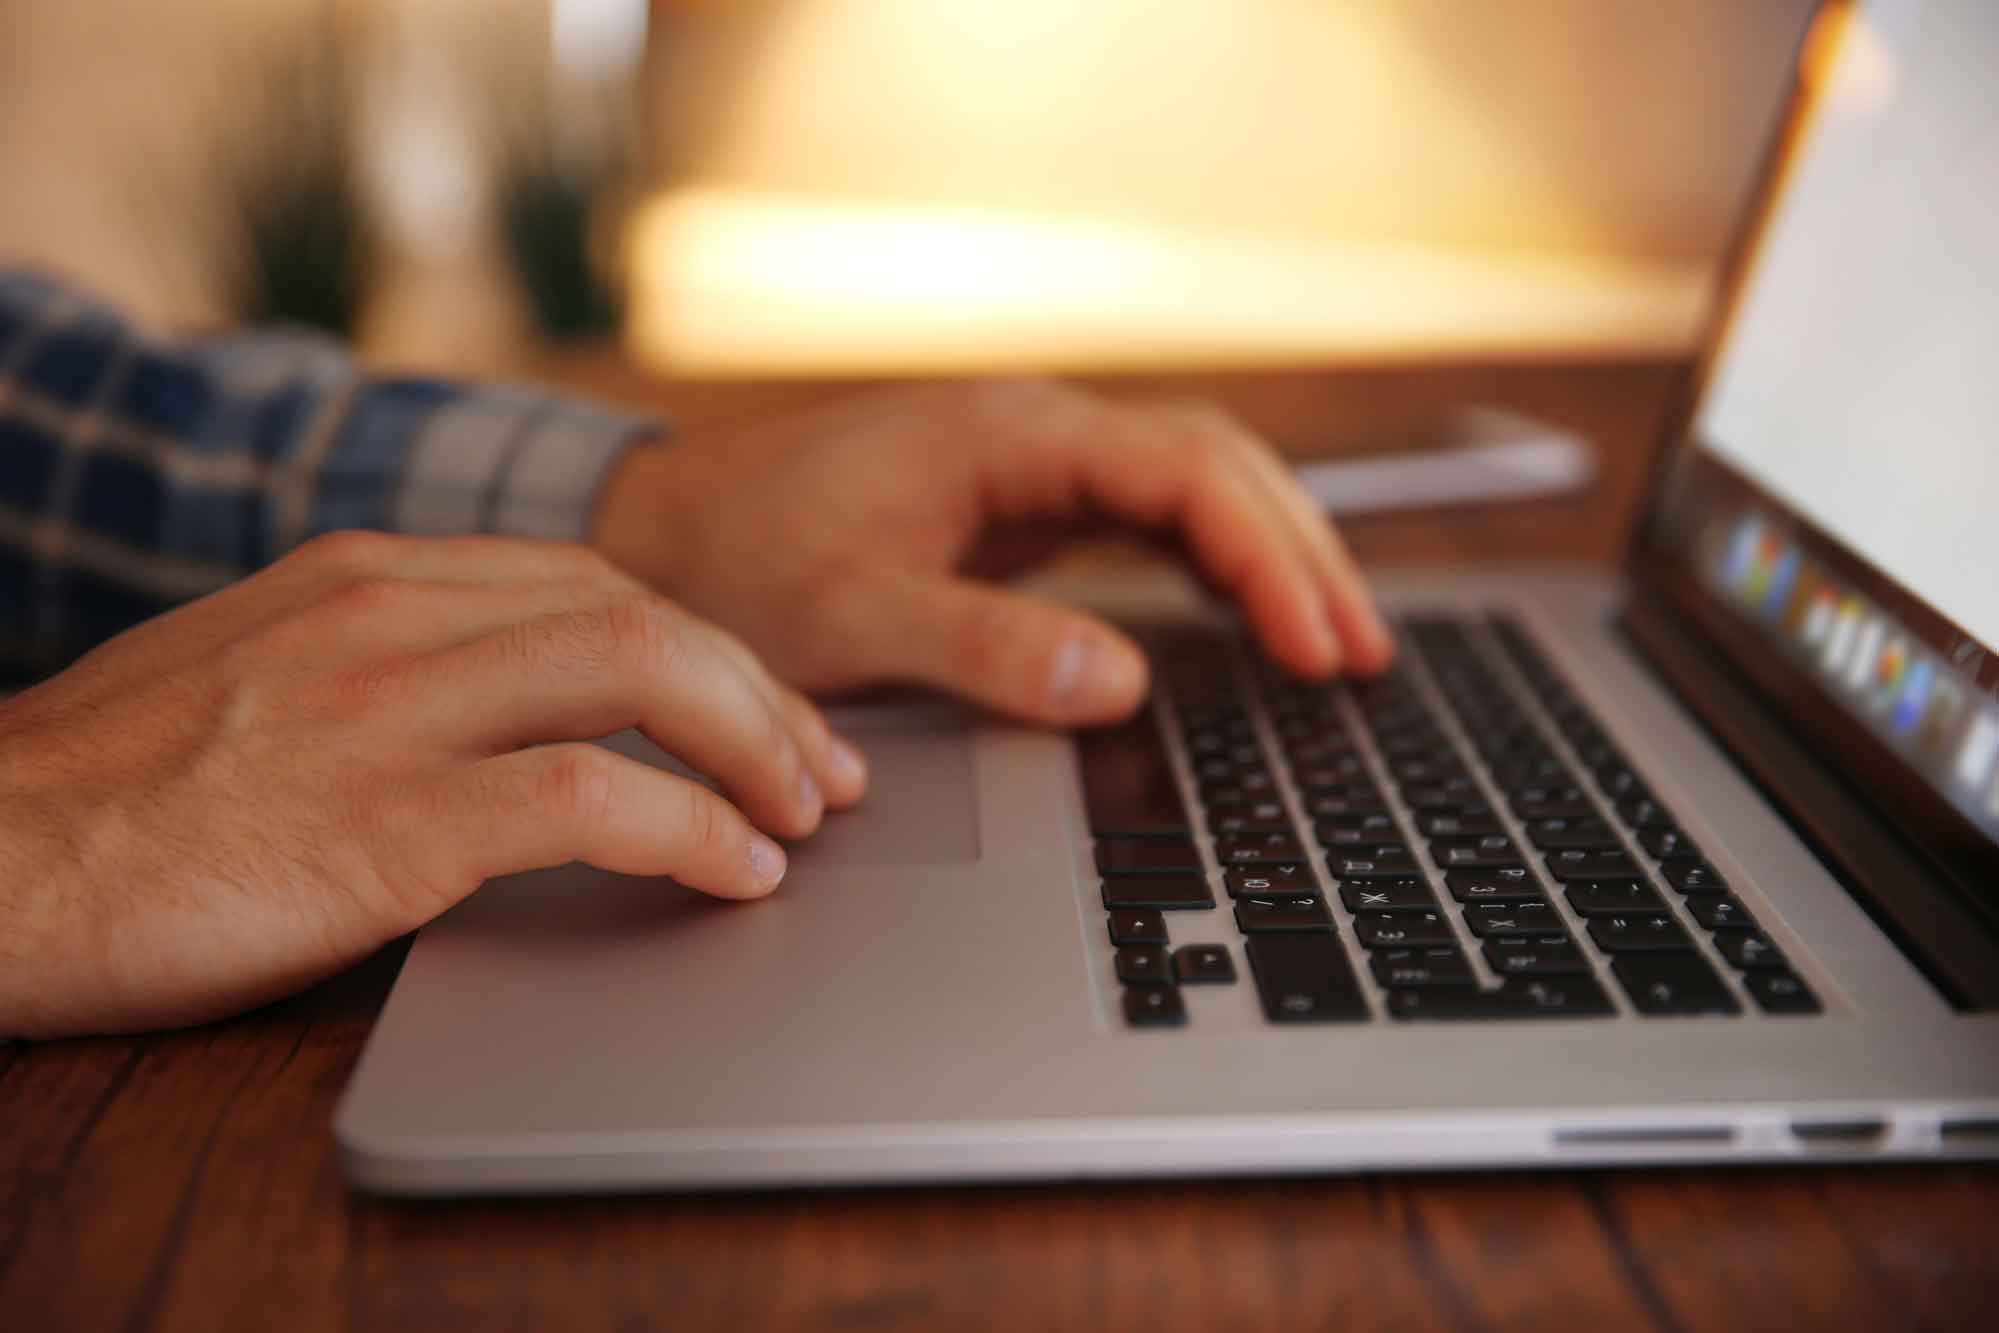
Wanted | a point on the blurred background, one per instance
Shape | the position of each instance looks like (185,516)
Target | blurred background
(860,187)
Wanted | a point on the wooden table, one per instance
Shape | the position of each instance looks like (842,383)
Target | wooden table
(188,1181)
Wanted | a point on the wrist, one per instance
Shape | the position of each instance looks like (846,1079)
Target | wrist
(642,521)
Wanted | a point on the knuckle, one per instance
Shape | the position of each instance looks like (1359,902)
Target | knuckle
(352,549)
(369,598)
(706,829)
(581,561)
(576,784)
(642,633)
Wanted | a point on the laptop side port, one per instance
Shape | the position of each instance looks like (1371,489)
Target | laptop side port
(1859,1132)
(1639,1136)
(1981,1131)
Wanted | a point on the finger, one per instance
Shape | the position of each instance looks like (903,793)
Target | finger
(842,765)
(1030,659)
(1131,466)
(346,572)
(342,557)
(554,804)
(840,769)
(386,617)
(580,675)
(1364,637)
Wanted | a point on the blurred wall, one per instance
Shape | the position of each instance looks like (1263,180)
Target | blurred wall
(1595,151)
(120,121)
(106,109)
(1623,125)
(979,182)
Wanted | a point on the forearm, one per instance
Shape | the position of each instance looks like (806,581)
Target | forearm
(137,472)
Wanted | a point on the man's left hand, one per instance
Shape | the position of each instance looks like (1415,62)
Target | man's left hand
(849,544)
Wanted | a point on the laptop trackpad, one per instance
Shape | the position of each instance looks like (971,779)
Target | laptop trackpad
(922,804)
(921,809)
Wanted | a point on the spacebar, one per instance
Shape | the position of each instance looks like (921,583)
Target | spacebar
(1305,978)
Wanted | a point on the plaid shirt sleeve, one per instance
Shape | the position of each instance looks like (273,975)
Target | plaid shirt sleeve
(137,473)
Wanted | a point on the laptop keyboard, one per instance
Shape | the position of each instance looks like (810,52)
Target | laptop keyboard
(1522,870)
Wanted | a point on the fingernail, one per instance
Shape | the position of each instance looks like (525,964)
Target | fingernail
(766,861)
(848,762)
(809,795)
(1072,661)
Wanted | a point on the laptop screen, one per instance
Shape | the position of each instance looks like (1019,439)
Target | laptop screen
(1838,494)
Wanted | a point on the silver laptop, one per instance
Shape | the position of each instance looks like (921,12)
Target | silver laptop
(1700,863)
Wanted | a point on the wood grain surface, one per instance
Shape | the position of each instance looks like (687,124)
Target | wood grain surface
(188,1181)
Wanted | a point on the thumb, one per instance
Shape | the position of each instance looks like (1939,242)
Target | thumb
(1017,655)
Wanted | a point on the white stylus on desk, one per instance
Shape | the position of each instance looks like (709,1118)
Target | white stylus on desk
(1484,456)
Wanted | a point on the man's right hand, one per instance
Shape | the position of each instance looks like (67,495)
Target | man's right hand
(248,794)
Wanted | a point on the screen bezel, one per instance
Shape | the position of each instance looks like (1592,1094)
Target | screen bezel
(1661,562)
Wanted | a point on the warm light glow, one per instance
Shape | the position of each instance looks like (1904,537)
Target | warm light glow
(743,282)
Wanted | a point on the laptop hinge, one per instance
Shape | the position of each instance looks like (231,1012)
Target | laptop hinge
(1950,940)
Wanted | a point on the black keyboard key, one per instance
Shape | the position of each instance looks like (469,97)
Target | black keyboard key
(1620,783)
(1146,856)
(1426,772)
(1516,997)
(1204,965)
(1613,897)
(1285,877)
(1394,930)
(1137,925)
(1599,756)
(1545,771)
(1672,984)
(1262,914)
(1578,863)
(1143,965)
(1262,850)
(1534,958)
(1229,821)
(1693,877)
(1206,742)
(1642,812)
(1721,912)
(1217,713)
(1388,895)
(1128,786)
(1651,933)
(1437,966)
(1221,769)
(1561,801)
(1460,796)
(1750,949)
(1382,861)
(1223,779)
(1154,1007)
(1377,822)
(1535,919)
(1314,754)
(1563,833)
(1345,803)
(1508,884)
(1364,831)
(1668,844)
(1495,849)
(1304,979)
(1780,993)
(1456,825)
(1332,774)
(1170,892)
(1416,743)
